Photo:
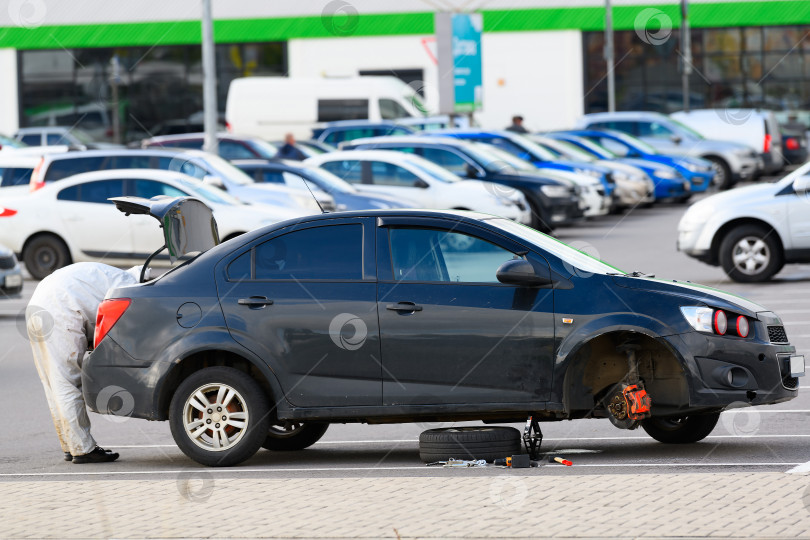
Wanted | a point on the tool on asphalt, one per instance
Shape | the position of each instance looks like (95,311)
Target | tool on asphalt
(452,462)
(532,438)
(521,461)
(562,461)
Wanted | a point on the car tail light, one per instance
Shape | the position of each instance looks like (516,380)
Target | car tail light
(720,322)
(228,127)
(7,212)
(36,181)
(791,143)
(742,326)
(108,314)
(766,146)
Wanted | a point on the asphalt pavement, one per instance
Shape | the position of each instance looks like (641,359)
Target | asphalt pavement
(769,438)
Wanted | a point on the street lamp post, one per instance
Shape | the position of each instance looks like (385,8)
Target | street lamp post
(611,82)
(209,80)
(686,52)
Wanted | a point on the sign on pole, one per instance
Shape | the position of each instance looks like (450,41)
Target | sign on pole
(458,47)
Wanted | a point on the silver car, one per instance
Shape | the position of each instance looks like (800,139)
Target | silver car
(730,161)
(11,278)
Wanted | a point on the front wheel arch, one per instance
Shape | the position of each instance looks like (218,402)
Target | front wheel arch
(727,227)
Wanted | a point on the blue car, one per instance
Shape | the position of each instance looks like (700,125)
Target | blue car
(530,151)
(294,173)
(698,171)
(334,133)
(669,182)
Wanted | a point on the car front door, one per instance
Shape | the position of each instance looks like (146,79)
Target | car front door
(798,206)
(450,332)
(304,300)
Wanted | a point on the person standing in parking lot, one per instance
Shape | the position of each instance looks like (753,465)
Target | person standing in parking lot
(517,125)
(60,319)
(289,150)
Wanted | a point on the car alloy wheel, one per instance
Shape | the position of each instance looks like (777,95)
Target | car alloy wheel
(751,255)
(215,417)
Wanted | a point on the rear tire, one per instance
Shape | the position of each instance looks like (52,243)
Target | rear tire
(219,416)
(751,254)
(297,437)
(722,174)
(682,430)
(540,221)
(44,255)
(487,443)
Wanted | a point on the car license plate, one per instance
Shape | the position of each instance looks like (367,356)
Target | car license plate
(797,365)
(13,281)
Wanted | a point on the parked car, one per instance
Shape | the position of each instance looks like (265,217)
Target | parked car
(794,146)
(229,147)
(295,174)
(201,165)
(752,232)
(400,326)
(440,121)
(526,149)
(731,161)
(416,180)
(11,278)
(755,128)
(633,185)
(72,220)
(335,133)
(697,172)
(253,105)
(318,147)
(552,202)
(61,136)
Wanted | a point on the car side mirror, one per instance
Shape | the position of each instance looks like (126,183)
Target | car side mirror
(421,184)
(801,184)
(213,181)
(520,272)
(471,171)
(676,139)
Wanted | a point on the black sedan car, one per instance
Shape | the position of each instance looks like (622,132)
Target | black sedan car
(379,316)
(553,203)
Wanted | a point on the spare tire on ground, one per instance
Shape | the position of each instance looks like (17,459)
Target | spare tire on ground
(486,442)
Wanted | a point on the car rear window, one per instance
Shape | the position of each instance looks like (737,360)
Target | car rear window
(15,176)
(62,168)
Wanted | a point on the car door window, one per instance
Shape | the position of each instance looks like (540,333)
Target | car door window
(349,170)
(272,177)
(130,162)
(388,174)
(322,253)
(390,109)
(447,159)
(180,164)
(93,192)
(32,139)
(62,168)
(616,147)
(53,139)
(420,254)
(151,188)
(15,176)
(654,129)
(234,150)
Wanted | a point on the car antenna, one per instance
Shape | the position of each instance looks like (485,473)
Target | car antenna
(313,196)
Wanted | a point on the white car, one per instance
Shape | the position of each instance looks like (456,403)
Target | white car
(15,173)
(415,180)
(592,198)
(72,221)
(752,232)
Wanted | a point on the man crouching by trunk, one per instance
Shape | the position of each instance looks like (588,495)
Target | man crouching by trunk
(60,319)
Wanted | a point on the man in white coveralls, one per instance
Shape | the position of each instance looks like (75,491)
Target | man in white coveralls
(60,319)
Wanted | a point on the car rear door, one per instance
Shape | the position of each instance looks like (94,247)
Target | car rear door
(303,298)
(450,332)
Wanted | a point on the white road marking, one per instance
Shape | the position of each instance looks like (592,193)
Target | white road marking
(804,468)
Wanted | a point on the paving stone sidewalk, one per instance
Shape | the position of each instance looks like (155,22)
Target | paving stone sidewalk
(202,505)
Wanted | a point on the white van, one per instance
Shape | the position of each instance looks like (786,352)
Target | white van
(269,107)
(757,128)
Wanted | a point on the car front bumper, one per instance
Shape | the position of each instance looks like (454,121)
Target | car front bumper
(11,280)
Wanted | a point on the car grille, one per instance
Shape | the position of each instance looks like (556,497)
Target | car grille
(777,334)
(791,383)
(7,263)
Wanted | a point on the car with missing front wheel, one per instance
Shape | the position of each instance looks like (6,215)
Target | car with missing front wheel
(379,317)
(751,232)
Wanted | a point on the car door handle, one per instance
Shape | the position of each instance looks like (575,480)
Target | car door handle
(255,302)
(409,307)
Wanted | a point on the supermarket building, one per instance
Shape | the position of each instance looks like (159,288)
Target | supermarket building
(542,59)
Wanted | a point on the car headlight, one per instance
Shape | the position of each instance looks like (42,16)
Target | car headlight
(689,166)
(666,174)
(556,191)
(699,318)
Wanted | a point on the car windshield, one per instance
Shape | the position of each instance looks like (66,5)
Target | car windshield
(568,255)
(804,170)
(226,170)
(11,143)
(567,150)
(434,171)
(81,135)
(596,149)
(264,149)
(496,160)
(210,193)
(685,129)
(535,150)
(328,182)
(635,143)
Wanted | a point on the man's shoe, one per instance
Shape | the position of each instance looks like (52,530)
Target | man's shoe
(98,455)
(68,456)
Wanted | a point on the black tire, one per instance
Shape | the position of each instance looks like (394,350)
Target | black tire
(759,242)
(44,255)
(293,436)
(489,443)
(722,174)
(683,430)
(250,399)
(683,199)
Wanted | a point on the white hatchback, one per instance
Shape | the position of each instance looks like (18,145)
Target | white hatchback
(752,232)
(72,221)
(419,182)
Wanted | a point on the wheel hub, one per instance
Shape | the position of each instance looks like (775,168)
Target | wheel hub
(751,255)
(215,417)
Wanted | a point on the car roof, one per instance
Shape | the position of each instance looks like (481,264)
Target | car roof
(167,152)
(199,135)
(626,115)
(393,156)
(472,131)
(13,160)
(124,174)
(360,123)
(409,139)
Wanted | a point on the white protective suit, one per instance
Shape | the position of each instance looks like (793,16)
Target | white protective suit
(61,319)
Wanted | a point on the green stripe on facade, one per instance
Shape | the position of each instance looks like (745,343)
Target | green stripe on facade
(725,14)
